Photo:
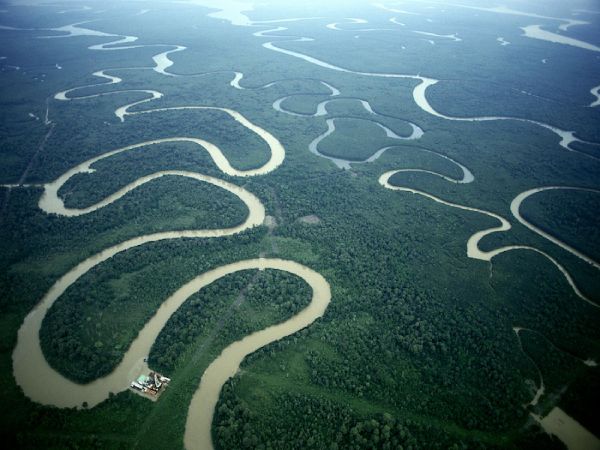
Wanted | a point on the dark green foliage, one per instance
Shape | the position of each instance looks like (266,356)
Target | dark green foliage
(570,215)
(580,399)
(267,297)
(417,348)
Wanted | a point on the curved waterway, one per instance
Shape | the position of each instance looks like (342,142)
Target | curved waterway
(419,92)
(467,175)
(345,163)
(417,133)
(350,21)
(595,91)
(419,95)
(29,364)
(161,60)
(564,26)
(321,110)
(473,250)
(199,420)
(541,387)
(335,25)
(536,32)
(515,208)
(162,63)
(50,201)
(454,37)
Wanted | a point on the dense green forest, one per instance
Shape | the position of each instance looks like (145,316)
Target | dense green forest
(418,347)
(575,225)
(355,139)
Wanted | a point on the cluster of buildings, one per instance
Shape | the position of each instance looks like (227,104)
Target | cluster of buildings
(151,385)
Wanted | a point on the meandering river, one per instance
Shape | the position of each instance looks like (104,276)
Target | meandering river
(43,384)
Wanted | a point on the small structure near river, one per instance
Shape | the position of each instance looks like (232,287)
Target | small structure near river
(150,386)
